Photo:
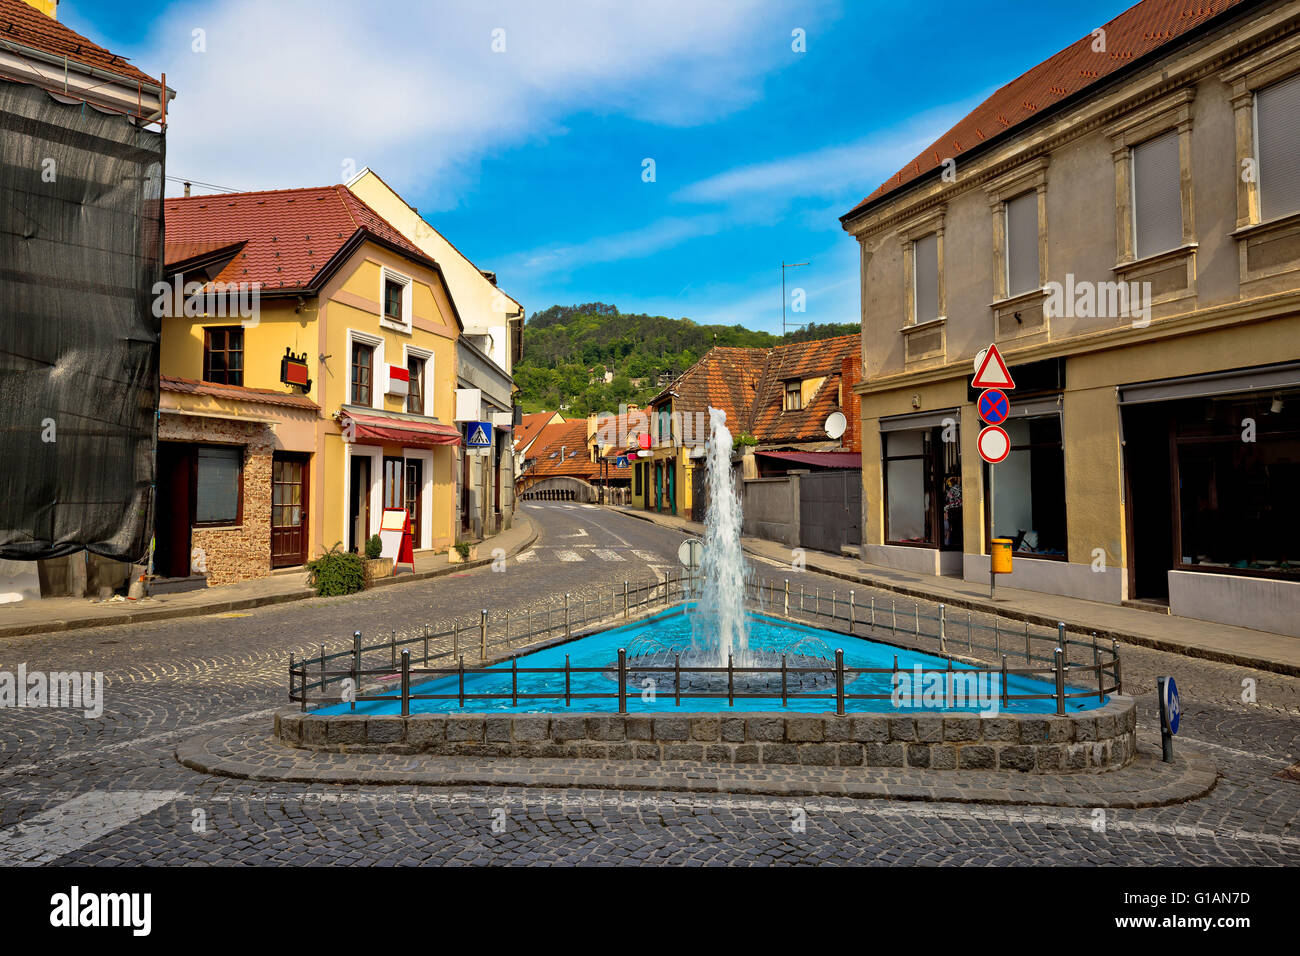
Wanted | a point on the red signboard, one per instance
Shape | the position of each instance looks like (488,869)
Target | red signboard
(294,370)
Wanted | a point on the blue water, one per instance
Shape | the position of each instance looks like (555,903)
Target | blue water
(672,627)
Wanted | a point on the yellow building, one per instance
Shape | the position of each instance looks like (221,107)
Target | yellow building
(308,368)
(1123,221)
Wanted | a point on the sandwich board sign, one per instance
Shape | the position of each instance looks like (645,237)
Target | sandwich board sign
(395,536)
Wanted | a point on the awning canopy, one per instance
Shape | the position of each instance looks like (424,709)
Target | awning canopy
(379,429)
(821,459)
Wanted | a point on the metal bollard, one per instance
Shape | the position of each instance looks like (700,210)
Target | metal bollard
(356,667)
(625,610)
(622,680)
(406,683)
(1114,649)
(839,682)
(852,612)
(1058,654)
(787,596)
(566,614)
(482,634)
(943,630)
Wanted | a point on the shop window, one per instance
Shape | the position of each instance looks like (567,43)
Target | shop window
(223,355)
(923,493)
(1236,470)
(218,485)
(1029,488)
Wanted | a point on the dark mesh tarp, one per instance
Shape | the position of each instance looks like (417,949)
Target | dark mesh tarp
(79,256)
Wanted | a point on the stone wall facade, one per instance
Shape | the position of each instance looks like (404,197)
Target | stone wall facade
(1096,740)
(237,552)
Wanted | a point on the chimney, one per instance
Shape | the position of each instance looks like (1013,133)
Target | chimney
(850,403)
(187,190)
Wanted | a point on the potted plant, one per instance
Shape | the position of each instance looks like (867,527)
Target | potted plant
(461,552)
(377,567)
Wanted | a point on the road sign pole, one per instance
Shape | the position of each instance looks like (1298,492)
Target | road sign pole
(993,577)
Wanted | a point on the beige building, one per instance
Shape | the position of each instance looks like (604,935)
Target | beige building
(1124,222)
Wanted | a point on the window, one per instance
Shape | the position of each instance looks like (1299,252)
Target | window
(363,367)
(1022,244)
(1277,118)
(396,293)
(415,397)
(223,355)
(638,471)
(925,253)
(1237,508)
(1029,488)
(793,397)
(218,485)
(923,493)
(1157,195)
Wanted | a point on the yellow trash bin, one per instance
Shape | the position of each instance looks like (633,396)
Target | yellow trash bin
(1001,555)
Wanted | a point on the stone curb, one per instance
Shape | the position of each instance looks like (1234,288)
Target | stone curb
(1146,782)
(953,601)
(243,604)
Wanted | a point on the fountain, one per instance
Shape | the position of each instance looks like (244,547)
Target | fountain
(719,626)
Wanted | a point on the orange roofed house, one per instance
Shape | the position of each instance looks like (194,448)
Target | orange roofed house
(310,387)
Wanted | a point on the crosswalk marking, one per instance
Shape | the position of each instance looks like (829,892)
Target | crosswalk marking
(607,555)
(525,556)
(646,555)
(568,555)
(82,820)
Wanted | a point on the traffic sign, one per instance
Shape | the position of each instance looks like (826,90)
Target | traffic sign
(1171,710)
(622,461)
(993,444)
(478,434)
(994,406)
(992,372)
(691,553)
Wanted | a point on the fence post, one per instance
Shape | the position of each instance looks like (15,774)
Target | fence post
(461,681)
(677,679)
(1114,649)
(356,667)
(893,616)
(731,681)
(917,608)
(514,680)
(839,682)
(873,612)
(1029,654)
(567,692)
(392,649)
(566,615)
(800,598)
(943,630)
(853,613)
(787,596)
(1060,683)
(1096,663)
(426,640)
(1004,682)
(622,680)
(507,627)
(784,693)
(625,606)
(406,682)
(482,635)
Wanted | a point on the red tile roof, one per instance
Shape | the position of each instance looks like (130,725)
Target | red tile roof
(238,393)
(749,384)
(24,24)
(1139,30)
(561,440)
(529,428)
(288,235)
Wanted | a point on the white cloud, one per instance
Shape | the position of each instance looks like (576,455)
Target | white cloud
(288,91)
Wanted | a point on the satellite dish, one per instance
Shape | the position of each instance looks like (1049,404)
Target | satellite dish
(835,424)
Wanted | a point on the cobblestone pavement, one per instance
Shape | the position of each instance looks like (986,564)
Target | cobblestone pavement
(108,790)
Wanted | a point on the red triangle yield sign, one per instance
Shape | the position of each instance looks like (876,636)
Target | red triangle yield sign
(993,372)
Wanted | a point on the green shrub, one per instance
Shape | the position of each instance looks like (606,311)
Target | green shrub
(374,547)
(462,548)
(337,572)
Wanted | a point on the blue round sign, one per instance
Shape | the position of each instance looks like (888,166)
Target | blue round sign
(994,406)
(1172,711)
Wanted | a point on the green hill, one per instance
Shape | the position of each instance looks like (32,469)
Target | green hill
(568,349)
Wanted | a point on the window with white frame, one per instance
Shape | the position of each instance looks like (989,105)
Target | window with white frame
(1277,137)
(1157,195)
(1022,244)
(395,300)
(419,367)
(925,270)
(367,378)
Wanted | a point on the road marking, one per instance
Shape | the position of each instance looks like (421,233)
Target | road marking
(568,555)
(647,555)
(607,555)
(72,825)
(581,533)
(525,556)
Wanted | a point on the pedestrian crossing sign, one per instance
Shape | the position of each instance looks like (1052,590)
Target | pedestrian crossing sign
(478,435)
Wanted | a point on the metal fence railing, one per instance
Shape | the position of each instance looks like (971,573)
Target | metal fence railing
(1065,661)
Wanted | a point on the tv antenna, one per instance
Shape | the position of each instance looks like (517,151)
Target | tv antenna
(786,265)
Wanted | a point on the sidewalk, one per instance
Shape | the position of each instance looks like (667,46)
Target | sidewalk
(1181,635)
(66,614)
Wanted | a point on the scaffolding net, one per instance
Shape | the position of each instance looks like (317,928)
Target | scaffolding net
(80,252)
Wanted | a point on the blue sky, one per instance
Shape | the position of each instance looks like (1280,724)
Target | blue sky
(530,159)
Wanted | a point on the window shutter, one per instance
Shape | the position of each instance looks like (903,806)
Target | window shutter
(925,253)
(1022,244)
(1157,195)
(1277,118)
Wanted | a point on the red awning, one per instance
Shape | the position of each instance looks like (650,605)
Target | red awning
(381,429)
(823,459)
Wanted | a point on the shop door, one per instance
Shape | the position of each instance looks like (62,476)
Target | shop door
(411,500)
(288,510)
(359,506)
(171,557)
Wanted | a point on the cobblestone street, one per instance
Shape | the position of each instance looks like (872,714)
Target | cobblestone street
(110,791)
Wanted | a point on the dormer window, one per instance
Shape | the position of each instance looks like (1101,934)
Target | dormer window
(793,396)
(395,300)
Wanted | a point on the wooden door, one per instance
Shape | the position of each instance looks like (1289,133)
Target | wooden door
(359,506)
(288,510)
(172,511)
(412,494)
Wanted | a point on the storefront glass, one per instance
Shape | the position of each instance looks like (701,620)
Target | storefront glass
(1029,488)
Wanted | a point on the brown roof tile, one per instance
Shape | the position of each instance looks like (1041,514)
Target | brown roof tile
(561,440)
(238,393)
(22,23)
